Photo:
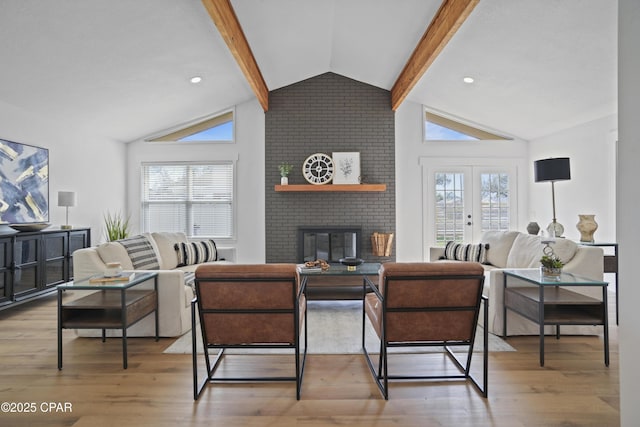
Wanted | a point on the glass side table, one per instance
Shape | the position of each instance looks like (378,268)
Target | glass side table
(544,300)
(610,264)
(111,306)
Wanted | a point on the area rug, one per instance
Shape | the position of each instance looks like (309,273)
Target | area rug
(334,327)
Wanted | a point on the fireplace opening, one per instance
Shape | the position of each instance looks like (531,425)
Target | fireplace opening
(328,243)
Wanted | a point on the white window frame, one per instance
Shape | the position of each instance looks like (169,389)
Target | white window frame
(465,127)
(234,212)
(429,163)
(174,134)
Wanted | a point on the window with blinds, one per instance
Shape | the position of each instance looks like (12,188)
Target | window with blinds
(194,198)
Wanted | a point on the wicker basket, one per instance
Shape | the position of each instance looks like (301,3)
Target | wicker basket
(381,244)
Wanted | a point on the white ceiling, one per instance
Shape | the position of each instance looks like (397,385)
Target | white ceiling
(121,68)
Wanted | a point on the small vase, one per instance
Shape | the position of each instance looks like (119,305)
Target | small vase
(284,180)
(551,272)
(533,228)
(587,225)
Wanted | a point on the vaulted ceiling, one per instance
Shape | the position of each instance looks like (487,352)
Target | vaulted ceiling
(121,68)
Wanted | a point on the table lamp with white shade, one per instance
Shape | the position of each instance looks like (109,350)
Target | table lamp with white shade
(66,199)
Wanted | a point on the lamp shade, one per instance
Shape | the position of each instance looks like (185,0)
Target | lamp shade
(66,198)
(557,169)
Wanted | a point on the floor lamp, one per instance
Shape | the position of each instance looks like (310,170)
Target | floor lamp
(66,199)
(553,170)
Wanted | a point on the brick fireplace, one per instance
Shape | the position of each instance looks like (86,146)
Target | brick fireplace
(328,243)
(328,113)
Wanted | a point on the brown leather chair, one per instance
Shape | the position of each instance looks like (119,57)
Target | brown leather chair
(249,307)
(424,305)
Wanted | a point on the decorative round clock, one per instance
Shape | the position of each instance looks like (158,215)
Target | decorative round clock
(318,169)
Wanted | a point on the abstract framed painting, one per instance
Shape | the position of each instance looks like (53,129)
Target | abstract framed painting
(24,183)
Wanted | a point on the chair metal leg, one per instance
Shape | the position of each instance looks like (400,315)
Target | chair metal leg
(485,352)
(380,377)
(363,320)
(381,358)
(300,366)
(485,355)
(375,376)
(197,389)
(197,386)
(385,373)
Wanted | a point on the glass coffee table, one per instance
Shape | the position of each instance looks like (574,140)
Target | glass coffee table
(339,276)
(111,306)
(545,301)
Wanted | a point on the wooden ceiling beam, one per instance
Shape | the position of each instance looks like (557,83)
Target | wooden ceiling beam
(448,19)
(226,21)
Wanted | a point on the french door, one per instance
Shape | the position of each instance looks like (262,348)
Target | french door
(462,202)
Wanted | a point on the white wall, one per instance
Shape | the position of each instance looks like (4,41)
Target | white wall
(92,167)
(591,148)
(410,148)
(248,150)
(627,209)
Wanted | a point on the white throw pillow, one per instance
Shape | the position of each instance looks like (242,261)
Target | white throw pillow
(499,246)
(565,249)
(527,251)
(115,252)
(165,242)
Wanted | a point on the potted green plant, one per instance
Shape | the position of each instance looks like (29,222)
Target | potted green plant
(285,169)
(551,265)
(116,227)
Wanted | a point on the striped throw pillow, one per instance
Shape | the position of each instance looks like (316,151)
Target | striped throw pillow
(196,252)
(142,255)
(466,252)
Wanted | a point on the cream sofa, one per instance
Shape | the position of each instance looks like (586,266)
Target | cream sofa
(512,249)
(175,290)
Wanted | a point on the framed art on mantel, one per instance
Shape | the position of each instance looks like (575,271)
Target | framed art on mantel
(347,168)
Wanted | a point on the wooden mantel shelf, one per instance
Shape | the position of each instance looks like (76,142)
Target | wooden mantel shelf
(331,187)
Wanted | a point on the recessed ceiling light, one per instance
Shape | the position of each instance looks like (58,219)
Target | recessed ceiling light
(196,79)
(468,79)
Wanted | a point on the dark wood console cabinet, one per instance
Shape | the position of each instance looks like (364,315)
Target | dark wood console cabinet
(34,262)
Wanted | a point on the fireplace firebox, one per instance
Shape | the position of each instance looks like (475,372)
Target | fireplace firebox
(328,243)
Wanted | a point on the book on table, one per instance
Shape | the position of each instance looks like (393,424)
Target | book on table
(121,278)
(305,269)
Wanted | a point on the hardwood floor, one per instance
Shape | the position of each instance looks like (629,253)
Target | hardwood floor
(573,389)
